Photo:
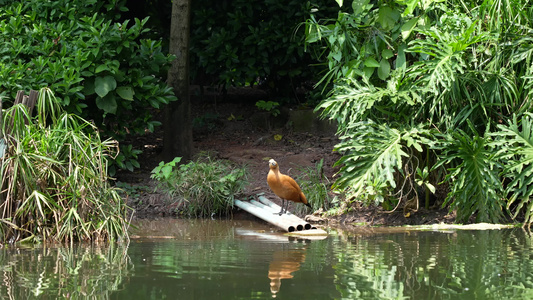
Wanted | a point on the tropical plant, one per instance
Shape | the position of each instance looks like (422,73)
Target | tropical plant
(54,178)
(204,187)
(101,69)
(513,146)
(243,43)
(452,73)
(475,186)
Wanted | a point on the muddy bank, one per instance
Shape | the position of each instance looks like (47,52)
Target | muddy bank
(239,132)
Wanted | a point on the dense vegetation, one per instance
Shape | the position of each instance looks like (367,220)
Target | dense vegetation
(238,42)
(433,97)
(54,179)
(101,69)
(204,187)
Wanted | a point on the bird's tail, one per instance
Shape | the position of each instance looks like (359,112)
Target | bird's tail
(302,196)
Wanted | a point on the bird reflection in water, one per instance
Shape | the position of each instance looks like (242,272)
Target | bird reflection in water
(284,263)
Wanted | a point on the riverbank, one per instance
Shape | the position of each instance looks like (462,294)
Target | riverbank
(239,132)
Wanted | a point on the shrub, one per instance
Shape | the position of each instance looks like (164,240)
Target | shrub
(204,187)
(100,69)
(316,187)
(424,89)
(54,178)
(238,42)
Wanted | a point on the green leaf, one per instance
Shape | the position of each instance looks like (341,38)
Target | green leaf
(411,5)
(384,69)
(367,71)
(103,85)
(100,68)
(339,2)
(358,6)
(374,154)
(388,17)
(88,87)
(126,92)
(475,186)
(408,27)
(107,103)
(387,53)
(400,58)
(337,56)
(371,62)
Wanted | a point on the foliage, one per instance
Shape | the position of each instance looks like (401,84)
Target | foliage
(206,122)
(204,187)
(101,69)
(475,186)
(163,171)
(54,178)
(514,145)
(316,187)
(131,191)
(377,158)
(452,71)
(270,106)
(241,42)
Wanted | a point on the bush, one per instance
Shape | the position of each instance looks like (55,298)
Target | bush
(316,187)
(204,187)
(238,42)
(428,87)
(54,178)
(100,69)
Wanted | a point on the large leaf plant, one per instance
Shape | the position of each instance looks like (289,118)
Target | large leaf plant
(448,76)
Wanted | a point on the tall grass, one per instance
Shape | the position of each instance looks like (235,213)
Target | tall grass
(204,187)
(54,178)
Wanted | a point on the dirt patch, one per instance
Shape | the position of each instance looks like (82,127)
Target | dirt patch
(239,132)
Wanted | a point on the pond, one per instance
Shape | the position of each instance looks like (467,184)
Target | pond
(208,259)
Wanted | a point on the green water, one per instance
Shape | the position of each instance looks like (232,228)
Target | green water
(172,259)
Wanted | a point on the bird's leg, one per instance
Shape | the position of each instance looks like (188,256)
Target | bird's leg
(282,203)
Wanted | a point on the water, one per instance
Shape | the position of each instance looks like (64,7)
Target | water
(204,259)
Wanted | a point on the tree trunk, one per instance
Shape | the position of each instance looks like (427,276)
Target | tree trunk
(177,140)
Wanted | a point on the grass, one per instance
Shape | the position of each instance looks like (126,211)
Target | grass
(316,187)
(204,187)
(54,178)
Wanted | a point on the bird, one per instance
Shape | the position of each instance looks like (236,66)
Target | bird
(284,186)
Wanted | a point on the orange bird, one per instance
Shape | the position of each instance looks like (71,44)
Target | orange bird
(284,186)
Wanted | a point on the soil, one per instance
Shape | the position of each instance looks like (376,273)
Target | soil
(236,130)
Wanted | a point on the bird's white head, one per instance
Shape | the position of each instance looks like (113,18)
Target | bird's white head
(272,164)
